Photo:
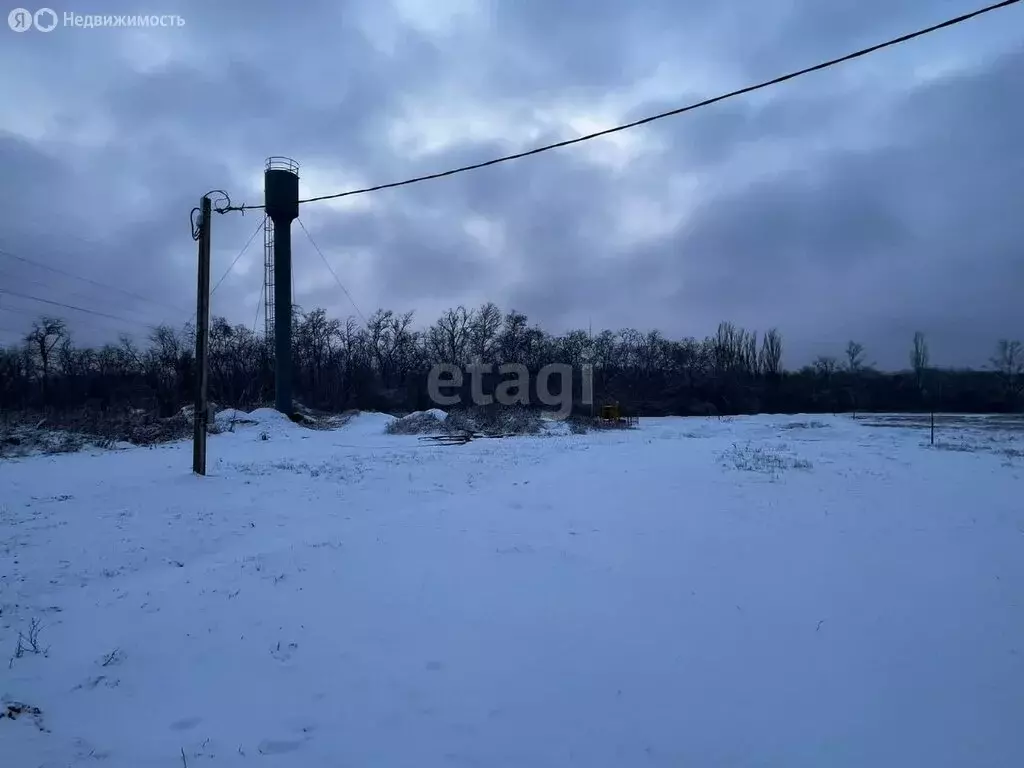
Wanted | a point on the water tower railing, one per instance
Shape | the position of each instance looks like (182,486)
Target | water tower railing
(278,163)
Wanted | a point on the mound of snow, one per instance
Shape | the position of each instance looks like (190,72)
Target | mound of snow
(370,423)
(431,413)
(230,416)
(418,423)
(269,417)
(267,422)
(556,427)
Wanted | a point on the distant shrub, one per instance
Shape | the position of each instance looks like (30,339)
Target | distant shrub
(579,426)
(494,420)
(27,433)
(765,459)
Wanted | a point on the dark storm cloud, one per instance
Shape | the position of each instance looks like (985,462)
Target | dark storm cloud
(585,41)
(920,234)
(414,256)
(842,205)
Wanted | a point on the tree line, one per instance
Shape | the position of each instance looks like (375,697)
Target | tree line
(384,364)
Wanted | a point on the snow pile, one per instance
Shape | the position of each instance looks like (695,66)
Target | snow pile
(232,417)
(493,420)
(617,599)
(266,419)
(270,424)
(368,423)
(557,427)
(430,422)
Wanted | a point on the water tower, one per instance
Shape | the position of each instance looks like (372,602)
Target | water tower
(281,201)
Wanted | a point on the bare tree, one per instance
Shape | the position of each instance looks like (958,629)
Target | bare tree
(449,338)
(484,327)
(825,366)
(727,347)
(46,334)
(771,353)
(751,360)
(511,342)
(387,362)
(854,366)
(1008,362)
(854,356)
(574,348)
(919,358)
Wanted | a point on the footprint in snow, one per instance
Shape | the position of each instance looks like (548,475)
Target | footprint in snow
(272,747)
(186,724)
(283,652)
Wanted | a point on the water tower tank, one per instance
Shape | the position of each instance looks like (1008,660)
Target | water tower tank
(281,189)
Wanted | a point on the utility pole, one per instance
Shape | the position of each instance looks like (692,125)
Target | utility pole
(202,409)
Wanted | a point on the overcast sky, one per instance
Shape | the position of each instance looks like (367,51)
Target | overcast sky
(866,202)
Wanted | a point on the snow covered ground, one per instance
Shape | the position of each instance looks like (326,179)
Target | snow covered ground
(769,591)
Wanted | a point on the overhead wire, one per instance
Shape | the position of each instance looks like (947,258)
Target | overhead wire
(21,280)
(95,322)
(73,307)
(234,261)
(75,322)
(259,305)
(237,258)
(331,270)
(97,283)
(94,312)
(616,129)
(669,113)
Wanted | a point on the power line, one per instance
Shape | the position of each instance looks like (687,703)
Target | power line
(56,270)
(331,270)
(78,325)
(7,292)
(241,253)
(671,113)
(72,294)
(34,312)
(234,261)
(259,304)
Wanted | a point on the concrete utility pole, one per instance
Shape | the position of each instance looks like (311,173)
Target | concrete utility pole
(202,409)
(281,201)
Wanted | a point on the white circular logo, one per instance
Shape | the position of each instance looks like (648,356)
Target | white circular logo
(45,19)
(20,20)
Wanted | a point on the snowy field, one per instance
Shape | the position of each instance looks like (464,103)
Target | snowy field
(769,591)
